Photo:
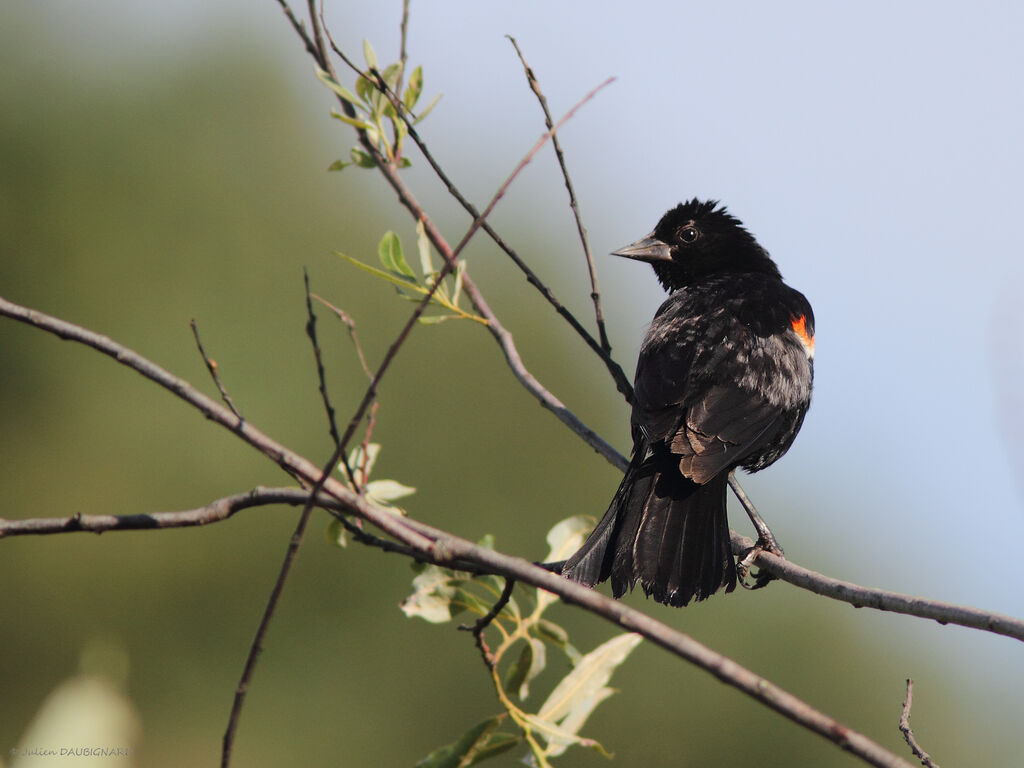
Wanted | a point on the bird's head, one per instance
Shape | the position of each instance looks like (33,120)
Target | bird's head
(698,239)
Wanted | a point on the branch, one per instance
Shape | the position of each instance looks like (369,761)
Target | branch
(595,295)
(780,567)
(214,512)
(908,734)
(446,549)
(321,374)
(212,410)
(504,339)
(497,330)
(211,366)
(880,599)
(603,349)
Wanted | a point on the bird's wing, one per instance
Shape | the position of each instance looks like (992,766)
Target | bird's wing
(719,430)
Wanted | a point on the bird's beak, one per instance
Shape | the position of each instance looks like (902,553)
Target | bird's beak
(649,248)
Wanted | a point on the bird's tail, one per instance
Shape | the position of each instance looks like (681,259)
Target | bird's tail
(664,531)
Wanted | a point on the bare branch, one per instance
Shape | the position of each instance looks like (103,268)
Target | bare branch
(321,374)
(595,295)
(880,599)
(256,648)
(908,734)
(211,366)
(214,512)
(403,53)
(346,318)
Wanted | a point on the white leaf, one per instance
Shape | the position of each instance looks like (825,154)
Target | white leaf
(386,491)
(575,697)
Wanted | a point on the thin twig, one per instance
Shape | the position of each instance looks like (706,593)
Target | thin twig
(478,627)
(908,734)
(300,30)
(350,323)
(211,366)
(364,473)
(403,54)
(214,512)
(320,372)
(315,21)
(256,647)
(595,294)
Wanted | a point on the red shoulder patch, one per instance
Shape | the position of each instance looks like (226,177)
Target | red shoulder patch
(800,326)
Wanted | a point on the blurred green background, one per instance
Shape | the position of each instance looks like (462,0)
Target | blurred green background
(142,186)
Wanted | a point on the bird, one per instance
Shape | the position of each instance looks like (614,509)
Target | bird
(723,380)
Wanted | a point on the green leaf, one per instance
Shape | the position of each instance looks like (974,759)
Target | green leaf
(519,669)
(338,165)
(531,662)
(360,158)
(324,77)
(460,270)
(390,252)
(475,745)
(414,89)
(464,600)
(389,276)
(353,121)
(555,635)
(365,89)
(423,245)
(357,459)
(495,745)
(436,319)
(552,632)
(426,111)
(336,533)
(391,74)
(575,697)
(369,55)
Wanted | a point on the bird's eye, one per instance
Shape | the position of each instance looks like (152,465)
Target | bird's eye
(689,234)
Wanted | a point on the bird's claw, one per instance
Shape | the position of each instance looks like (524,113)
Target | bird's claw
(765,543)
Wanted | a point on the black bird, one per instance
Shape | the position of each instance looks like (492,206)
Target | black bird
(723,381)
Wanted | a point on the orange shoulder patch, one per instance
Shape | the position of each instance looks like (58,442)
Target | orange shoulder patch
(800,326)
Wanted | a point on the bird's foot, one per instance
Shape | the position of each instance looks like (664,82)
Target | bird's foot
(766,542)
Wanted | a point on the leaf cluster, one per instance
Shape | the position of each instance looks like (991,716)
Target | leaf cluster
(396,270)
(373,110)
(524,637)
